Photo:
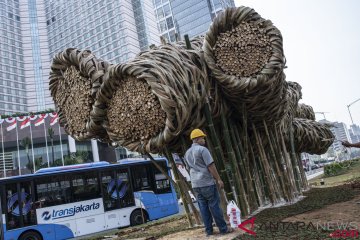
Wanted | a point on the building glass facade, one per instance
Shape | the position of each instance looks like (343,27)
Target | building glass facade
(110,29)
(12,75)
(187,16)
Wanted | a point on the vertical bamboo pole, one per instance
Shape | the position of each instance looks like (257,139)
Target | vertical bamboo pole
(238,180)
(288,165)
(273,155)
(302,172)
(179,187)
(246,142)
(265,166)
(258,184)
(223,197)
(293,159)
(216,143)
(245,166)
(280,157)
(187,189)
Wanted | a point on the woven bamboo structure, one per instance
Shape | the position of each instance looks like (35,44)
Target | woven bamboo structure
(265,83)
(256,127)
(74,80)
(177,78)
(311,137)
(305,111)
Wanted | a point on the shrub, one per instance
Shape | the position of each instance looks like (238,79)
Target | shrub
(338,168)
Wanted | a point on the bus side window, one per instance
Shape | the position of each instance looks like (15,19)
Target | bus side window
(141,178)
(124,188)
(28,207)
(162,184)
(12,204)
(108,186)
(85,186)
(50,191)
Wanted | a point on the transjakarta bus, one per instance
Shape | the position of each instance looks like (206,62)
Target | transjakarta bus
(72,201)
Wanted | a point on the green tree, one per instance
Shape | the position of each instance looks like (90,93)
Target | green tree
(51,135)
(38,164)
(25,143)
(76,158)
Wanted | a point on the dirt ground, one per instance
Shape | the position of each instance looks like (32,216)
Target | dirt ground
(339,204)
(198,234)
(342,212)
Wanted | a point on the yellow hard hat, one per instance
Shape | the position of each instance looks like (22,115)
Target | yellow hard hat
(197,133)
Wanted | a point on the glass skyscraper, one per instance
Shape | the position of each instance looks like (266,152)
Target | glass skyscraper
(32,32)
(192,17)
(12,71)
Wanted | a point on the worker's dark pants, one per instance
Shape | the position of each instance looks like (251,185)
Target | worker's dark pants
(209,203)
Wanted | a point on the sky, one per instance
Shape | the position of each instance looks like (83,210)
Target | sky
(321,40)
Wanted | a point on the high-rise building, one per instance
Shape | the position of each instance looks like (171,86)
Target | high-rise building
(31,33)
(114,30)
(187,16)
(340,132)
(354,131)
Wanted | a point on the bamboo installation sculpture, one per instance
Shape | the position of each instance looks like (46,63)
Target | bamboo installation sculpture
(230,83)
(74,80)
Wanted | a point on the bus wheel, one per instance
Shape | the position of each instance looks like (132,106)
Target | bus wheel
(138,217)
(30,235)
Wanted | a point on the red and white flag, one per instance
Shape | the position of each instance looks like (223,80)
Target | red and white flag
(54,118)
(12,124)
(32,117)
(41,119)
(25,123)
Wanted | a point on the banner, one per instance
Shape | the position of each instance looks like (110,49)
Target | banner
(41,119)
(12,124)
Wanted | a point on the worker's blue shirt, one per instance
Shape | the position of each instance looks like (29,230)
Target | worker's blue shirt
(198,158)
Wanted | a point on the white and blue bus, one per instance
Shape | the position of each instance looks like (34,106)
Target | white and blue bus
(71,201)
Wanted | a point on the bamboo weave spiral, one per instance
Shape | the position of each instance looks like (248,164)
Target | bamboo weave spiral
(234,73)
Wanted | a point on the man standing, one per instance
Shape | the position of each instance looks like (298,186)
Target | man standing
(203,175)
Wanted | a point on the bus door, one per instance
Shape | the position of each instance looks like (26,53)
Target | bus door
(167,201)
(117,194)
(143,186)
(20,211)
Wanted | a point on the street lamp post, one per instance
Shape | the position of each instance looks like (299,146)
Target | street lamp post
(348,106)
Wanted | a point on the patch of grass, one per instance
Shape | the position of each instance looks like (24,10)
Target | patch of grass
(350,174)
(315,199)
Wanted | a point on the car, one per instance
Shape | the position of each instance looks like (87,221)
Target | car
(315,166)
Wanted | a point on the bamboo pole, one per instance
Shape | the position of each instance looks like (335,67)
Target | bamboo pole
(213,136)
(238,180)
(245,160)
(280,158)
(288,165)
(302,172)
(223,197)
(293,159)
(246,141)
(273,156)
(258,183)
(265,166)
(246,170)
(179,187)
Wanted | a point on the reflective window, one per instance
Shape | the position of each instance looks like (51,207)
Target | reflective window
(52,191)
(85,187)
(13,207)
(162,183)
